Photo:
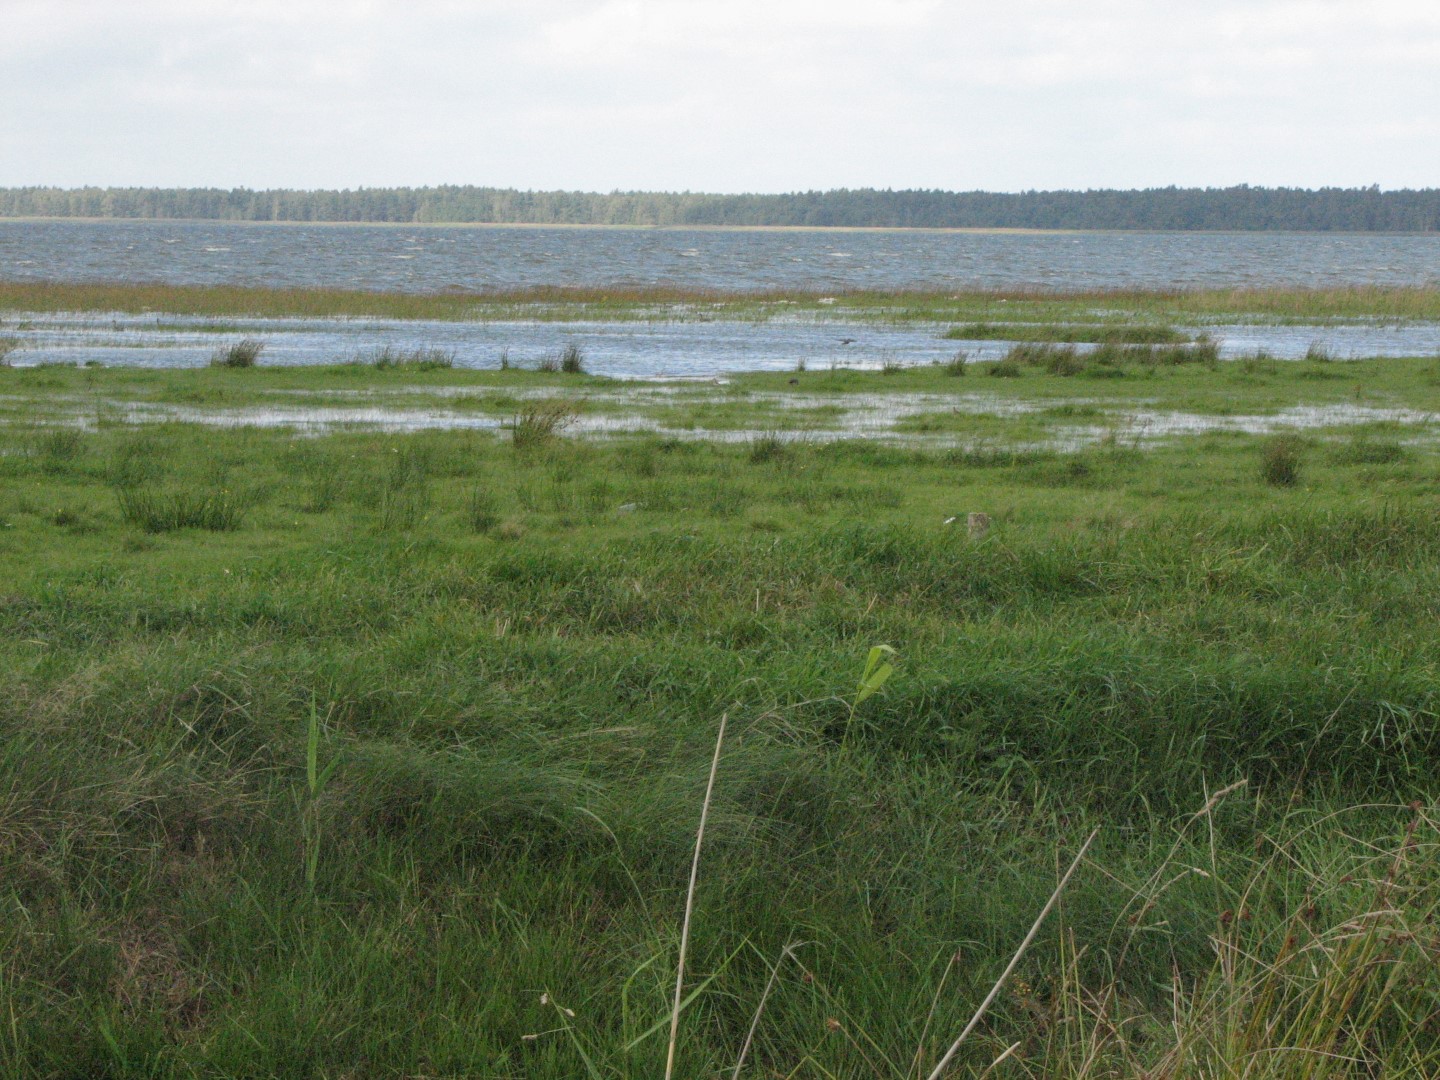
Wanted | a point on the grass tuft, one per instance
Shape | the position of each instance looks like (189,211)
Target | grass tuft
(390,358)
(539,423)
(482,511)
(404,489)
(58,448)
(768,448)
(572,361)
(1280,461)
(157,511)
(239,354)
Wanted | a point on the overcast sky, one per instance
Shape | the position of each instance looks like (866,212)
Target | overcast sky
(720,95)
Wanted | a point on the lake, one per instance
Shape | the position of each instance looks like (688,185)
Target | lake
(471,258)
(436,258)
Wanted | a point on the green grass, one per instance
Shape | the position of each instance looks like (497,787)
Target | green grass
(1113,385)
(238,354)
(1134,315)
(1049,332)
(390,358)
(158,512)
(345,787)
(538,424)
(1280,462)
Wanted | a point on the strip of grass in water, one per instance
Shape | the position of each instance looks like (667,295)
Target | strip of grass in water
(564,304)
(1050,332)
(423,736)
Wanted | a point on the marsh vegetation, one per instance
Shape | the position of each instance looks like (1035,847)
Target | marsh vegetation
(238,354)
(377,753)
(1128,313)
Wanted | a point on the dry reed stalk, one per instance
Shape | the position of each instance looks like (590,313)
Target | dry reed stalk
(1014,961)
(789,950)
(690,903)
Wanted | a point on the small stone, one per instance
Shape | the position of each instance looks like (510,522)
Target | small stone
(627,508)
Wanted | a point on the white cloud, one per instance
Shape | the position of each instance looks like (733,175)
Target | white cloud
(752,94)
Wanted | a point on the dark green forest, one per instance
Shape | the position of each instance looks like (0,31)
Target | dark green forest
(1233,208)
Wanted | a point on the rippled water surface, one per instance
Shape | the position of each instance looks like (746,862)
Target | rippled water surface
(434,258)
(619,349)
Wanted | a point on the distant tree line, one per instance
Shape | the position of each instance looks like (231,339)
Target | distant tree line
(1242,208)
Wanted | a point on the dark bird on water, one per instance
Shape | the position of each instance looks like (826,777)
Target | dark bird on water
(847,341)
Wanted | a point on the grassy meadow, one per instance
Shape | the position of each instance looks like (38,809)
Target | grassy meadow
(364,754)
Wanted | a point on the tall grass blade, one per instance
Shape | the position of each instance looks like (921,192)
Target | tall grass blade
(785,953)
(565,1014)
(690,902)
(930,1016)
(944,1063)
(694,993)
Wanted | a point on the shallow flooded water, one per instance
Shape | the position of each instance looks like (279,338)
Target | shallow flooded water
(692,347)
(947,420)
